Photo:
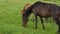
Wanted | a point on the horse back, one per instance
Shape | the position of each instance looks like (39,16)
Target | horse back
(46,10)
(42,10)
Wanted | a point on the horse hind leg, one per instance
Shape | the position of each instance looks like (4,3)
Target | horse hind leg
(59,27)
(58,23)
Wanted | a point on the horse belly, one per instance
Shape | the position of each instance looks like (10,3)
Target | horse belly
(44,13)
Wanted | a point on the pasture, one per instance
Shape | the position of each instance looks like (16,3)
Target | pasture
(11,18)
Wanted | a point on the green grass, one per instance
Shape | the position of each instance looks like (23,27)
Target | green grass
(11,19)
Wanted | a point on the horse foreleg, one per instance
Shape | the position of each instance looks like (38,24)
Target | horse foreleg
(42,22)
(36,22)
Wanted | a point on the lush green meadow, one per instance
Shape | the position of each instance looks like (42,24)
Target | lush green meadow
(11,19)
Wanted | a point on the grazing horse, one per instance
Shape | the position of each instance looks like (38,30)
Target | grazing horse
(42,10)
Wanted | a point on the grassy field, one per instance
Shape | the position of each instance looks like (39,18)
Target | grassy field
(11,19)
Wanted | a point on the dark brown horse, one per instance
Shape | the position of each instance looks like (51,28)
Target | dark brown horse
(42,10)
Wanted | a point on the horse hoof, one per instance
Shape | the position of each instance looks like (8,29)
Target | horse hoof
(44,28)
(35,28)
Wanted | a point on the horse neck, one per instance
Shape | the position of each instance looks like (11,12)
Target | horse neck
(28,11)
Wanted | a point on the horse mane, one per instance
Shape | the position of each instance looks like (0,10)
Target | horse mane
(25,7)
(28,11)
